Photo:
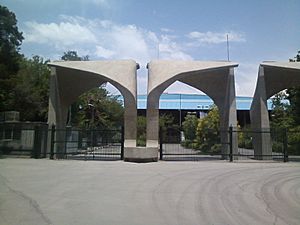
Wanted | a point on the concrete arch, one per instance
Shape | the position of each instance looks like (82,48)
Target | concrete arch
(272,78)
(216,79)
(70,79)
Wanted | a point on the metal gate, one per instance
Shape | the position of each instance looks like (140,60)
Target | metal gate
(91,144)
(284,145)
(174,147)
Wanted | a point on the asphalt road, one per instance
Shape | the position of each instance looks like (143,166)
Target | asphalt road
(96,192)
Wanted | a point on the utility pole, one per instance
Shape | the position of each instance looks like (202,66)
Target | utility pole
(227,47)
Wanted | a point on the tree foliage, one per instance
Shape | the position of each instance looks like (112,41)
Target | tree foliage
(189,126)
(280,115)
(293,95)
(31,92)
(98,110)
(208,132)
(10,41)
(73,56)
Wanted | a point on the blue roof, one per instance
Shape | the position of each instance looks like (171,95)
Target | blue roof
(192,102)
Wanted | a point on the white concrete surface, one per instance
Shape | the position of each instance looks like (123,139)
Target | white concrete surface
(272,78)
(92,193)
(215,78)
(70,79)
(140,154)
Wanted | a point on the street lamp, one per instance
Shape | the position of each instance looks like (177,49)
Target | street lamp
(91,126)
(92,114)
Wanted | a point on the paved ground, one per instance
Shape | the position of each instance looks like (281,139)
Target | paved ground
(94,192)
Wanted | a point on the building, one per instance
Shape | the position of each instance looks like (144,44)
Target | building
(179,105)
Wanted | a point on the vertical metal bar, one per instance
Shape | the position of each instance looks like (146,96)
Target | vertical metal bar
(67,132)
(122,142)
(230,144)
(180,111)
(285,146)
(37,143)
(44,137)
(160,145)
(52,141)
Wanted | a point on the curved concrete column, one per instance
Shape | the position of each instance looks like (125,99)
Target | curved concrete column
(70,79)
(216,79)
(272,78)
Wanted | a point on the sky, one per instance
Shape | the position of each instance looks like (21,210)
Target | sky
(142,30)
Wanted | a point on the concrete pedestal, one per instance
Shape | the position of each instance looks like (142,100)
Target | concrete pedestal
(141,154)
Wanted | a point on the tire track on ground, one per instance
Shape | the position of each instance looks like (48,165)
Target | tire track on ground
(30,215)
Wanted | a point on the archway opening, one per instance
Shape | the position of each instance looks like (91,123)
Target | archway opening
(100,107)
(284,116)
(189,123)
(94,128)
(70,80)
(273,77)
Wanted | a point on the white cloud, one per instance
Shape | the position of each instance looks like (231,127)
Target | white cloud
(166,30)
(104,39)
(169,49)
(61,34)
(103,52)
(215,37)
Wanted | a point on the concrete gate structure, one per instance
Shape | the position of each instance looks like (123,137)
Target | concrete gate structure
(272,78)
(70,79)
(214,78)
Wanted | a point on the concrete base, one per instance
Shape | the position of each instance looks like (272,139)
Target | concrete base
(141,154)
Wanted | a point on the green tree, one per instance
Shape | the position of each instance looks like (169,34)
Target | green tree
(31,92)
(73,56)
(189,126)
(98,110)
(10,41)
(293,95)
(208,132)
(95,108)
(280,115)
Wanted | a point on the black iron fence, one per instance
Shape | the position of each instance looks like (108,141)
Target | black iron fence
(91,144)
(23,139)
(33,140)
(268,144)
(175,146)
(38,141)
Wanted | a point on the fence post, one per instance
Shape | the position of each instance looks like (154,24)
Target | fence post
(160,144)
(285,146)
(52,141)
(122,143)
(230,144)
(37,143)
